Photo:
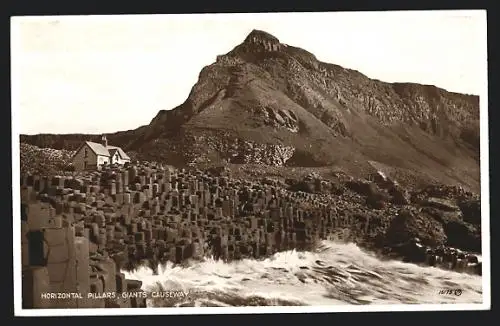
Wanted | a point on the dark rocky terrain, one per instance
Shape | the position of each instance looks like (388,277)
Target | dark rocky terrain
(269,103)
(44,161)
(95,224)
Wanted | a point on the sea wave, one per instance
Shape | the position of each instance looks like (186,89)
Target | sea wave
(333,274)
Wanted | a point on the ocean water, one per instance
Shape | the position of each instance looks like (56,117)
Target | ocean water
(334,274)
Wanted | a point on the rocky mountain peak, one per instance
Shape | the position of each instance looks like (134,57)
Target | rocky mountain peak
(256,35)
(260,40)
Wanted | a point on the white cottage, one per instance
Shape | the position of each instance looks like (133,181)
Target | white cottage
(91,156)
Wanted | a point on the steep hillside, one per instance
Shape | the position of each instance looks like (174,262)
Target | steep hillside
(270,103)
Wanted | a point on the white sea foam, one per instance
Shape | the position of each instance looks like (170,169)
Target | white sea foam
(334,274)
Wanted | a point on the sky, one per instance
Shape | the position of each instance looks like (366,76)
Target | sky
(102,74)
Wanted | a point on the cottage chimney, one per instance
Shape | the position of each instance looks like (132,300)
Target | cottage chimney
(104,141)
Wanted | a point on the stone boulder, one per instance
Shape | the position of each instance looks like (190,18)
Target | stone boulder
(362,187)
(463,235)
(459,233)
(408,225)
(412,251)
(471,210)
(440,203)
(375,198)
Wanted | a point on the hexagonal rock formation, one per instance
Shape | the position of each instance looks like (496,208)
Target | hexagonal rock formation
(79,233)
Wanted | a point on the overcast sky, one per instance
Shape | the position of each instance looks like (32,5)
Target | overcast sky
(94,74)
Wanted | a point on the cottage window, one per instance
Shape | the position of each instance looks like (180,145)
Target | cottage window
(86,153)
(85,163)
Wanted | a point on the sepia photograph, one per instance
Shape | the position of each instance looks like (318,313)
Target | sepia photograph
(250,163)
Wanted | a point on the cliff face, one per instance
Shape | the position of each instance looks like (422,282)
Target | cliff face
(326,91)
(268,102)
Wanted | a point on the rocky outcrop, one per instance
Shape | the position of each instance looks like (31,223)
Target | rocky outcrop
(460,233)
(97,224)
(44,160)
(241,151)
(471,211)
(279,118)
(457,210)
(440,256)
(260,40)
(409,224)
(442,204)
(446,192)
(220,147)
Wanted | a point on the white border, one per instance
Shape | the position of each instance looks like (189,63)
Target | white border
(485,213)
(16,175)
(485,169)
